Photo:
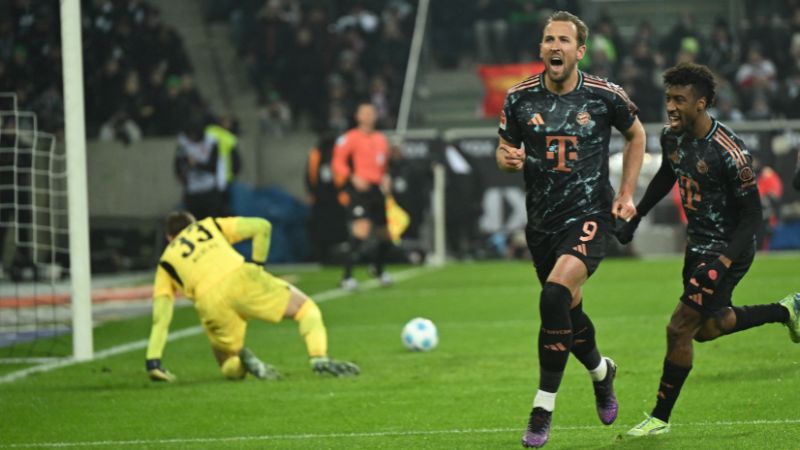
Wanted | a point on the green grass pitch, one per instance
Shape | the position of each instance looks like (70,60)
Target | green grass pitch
(474,391)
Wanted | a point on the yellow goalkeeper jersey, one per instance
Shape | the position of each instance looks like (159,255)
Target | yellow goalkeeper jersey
(201,254)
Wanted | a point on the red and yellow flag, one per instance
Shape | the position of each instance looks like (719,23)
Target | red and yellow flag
(497,79)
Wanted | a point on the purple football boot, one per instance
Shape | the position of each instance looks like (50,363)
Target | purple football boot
(538,428)
(605,399)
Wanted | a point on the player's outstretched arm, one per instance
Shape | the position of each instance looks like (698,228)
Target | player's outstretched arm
(162,316)
(632,158)
(509,158)
(260,231)
(237,229)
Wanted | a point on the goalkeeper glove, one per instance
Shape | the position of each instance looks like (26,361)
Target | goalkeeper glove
(158,373)
(324,365)
(708,276)
(624,230)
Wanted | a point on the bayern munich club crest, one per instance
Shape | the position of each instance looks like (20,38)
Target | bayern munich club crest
(583,118)
(746,174)
(702,167)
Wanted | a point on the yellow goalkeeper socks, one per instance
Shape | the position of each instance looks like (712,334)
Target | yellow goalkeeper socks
(309,319)
(233,369)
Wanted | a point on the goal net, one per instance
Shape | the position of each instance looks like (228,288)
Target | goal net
(35,313)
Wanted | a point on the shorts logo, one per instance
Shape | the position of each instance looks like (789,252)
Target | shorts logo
(702,167)
(583,118)
(746,174)
(536,120)
(503,120)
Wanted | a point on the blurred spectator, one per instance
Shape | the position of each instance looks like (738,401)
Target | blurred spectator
(450,32)
(789,95)
(124,41)
(725,110)
(676,40)
(306,92)
(770,189)
(638,83)
(491,31)
(201,171)
(275,116)
(525,21)
(326,224)
(319,56)
(411,187)
(796,180)
(268,48)
(612,42)
(689,50)
(759,109)
(463,202)
(756,76)
(226,130)
(723,51)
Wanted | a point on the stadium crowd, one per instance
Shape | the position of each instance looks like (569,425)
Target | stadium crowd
(314,60)
(757,61)
(138,78)
(311,60)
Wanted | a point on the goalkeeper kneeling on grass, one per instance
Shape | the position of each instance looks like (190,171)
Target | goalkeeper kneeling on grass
(227,291)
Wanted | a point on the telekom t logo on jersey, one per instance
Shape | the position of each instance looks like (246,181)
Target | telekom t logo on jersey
(562,153)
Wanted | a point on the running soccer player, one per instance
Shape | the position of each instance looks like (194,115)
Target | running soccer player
(715,176)
(227,291)
(563,118)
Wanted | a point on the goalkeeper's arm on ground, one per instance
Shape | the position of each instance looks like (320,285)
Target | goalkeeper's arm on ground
(163,301)
(237,229)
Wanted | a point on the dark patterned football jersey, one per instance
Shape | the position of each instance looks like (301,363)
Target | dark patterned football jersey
(566,146)
(711,173)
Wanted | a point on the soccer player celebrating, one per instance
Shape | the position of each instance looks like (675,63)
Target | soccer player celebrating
(227,291)
(360,160)
(719,193)
(564,119)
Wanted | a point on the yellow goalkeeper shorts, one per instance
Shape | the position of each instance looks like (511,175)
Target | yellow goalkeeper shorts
(249,292)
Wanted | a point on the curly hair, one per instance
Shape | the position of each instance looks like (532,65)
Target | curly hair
(698,76)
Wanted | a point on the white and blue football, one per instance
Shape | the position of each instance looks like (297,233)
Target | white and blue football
(420,334)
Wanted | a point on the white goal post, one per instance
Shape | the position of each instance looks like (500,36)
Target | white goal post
(75,135)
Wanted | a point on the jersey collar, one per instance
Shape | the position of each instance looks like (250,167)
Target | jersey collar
(577,86)
(714,126)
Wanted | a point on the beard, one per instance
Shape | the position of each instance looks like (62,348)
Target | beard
(563,75)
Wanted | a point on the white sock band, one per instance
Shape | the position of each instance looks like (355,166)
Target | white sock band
(599,372)
(545,400)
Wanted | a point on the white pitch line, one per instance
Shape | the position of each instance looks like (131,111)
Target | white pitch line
(370,284)
(191,331)
(309,436)
(136,345)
